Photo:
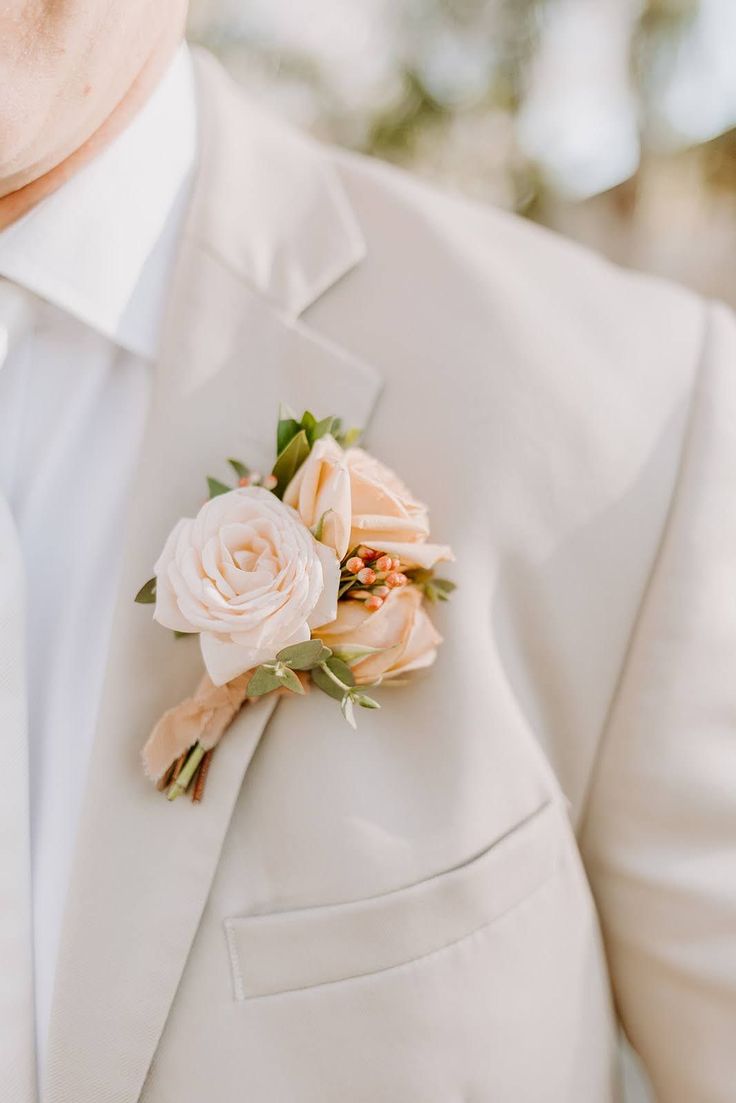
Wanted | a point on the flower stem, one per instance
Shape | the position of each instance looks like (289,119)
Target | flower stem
(187,772)
(334,678)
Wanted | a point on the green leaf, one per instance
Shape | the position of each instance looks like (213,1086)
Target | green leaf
(309,421)
(352,653)
(326,425)
(289,462)
(325,683)
(239,468)
(289,680)
(147,593)
(340,671)
(182,635)
(304,656)
(433,588)
(264,679)
(287,429)
(216,487)
(365,701)
(350,437)
(438,589)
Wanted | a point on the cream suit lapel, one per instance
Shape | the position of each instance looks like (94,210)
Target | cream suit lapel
(267,233)
(17,1072)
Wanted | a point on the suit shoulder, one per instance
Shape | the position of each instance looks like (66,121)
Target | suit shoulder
(422,237)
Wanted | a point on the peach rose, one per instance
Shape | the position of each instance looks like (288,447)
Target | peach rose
(320,492)
(249,577)
(383,509)
(361,501)
(401,628)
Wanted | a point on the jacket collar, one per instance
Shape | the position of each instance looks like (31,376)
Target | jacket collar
(296,233)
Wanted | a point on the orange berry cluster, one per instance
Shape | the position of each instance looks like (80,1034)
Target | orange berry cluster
(377,574)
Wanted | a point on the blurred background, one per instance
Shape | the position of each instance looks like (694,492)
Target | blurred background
(611,121)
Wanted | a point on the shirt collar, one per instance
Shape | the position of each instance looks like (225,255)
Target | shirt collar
(101,247)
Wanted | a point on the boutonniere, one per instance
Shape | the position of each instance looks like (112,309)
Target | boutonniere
(317,574)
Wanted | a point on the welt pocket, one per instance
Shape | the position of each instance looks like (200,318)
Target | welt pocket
(291,950)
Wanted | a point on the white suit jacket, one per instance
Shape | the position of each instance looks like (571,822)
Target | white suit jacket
(458,901)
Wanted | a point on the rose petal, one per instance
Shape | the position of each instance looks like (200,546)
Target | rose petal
(418,555)
(325,609)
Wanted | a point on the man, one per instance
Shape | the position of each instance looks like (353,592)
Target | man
(400,914)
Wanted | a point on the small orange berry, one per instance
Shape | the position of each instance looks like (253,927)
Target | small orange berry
(245,481)
(395,563)
(355,564)
(396,578)
(270,482)
(384,563)
(368,554)
(367,576)
(374,602)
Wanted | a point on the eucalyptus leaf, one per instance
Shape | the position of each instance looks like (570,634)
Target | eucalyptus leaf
(264,679)
(289,462)
(365,701)
(325,683)
(341,670)
(239,468)
(288,680)
(304,656)
(216,487)
(147,593)
(444,584)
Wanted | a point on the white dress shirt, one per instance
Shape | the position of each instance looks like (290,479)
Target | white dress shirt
(95,258)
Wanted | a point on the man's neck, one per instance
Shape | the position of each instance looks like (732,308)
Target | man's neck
(17,203)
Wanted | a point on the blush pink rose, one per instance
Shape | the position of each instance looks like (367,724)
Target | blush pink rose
(401,628)
(383,509)
(248,577)
(320,492)
(359,500)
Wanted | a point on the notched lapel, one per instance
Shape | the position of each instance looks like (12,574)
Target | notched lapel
(144,867)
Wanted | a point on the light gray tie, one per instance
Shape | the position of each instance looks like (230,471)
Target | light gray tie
(17,1062)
